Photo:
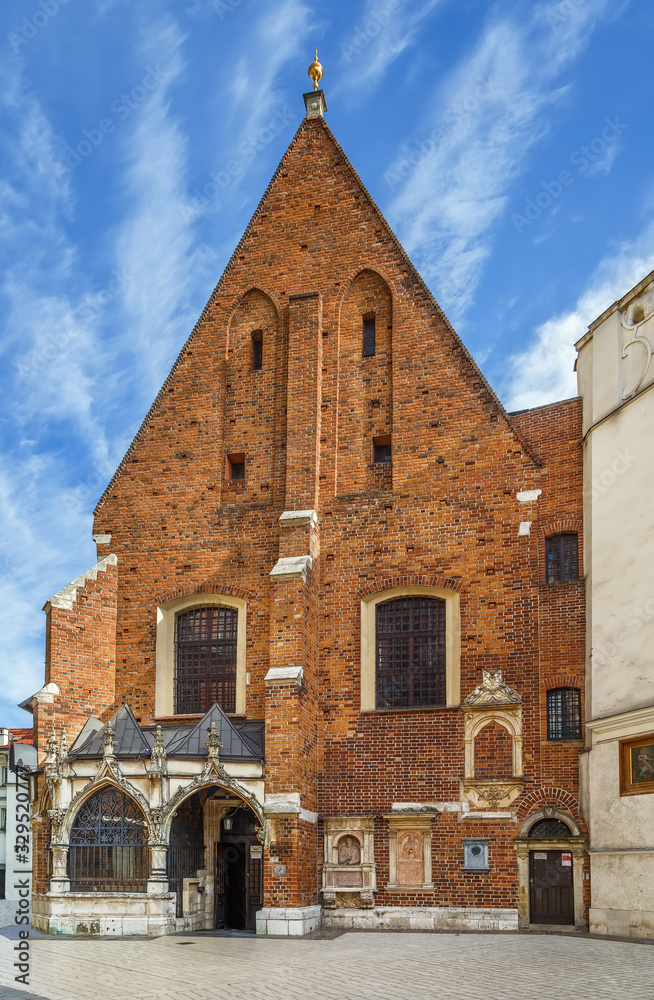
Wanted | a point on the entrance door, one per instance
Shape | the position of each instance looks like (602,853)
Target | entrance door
(219,881)
(238,885)
(551,895)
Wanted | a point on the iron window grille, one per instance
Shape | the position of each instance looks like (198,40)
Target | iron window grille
(184,861)
(410,653)
(564,714)
(369,337)
(108,849)
(550,829)
(205,659)
(561,558)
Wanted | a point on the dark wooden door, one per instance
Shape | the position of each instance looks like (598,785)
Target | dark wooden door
(219,883)
(254,884)
(552,894)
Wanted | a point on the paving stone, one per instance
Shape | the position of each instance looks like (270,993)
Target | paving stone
(354,966)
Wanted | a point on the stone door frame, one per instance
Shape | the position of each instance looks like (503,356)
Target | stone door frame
(575,844)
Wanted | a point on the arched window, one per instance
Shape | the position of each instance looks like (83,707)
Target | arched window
(410,654)
(564,714)
(550,829)
(561,557)
(205,659)
(109,845)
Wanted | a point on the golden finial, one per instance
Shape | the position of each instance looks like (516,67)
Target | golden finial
(315,71)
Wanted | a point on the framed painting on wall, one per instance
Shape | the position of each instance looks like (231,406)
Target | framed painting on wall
(637,765)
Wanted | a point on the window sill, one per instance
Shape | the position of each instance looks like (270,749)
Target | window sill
(411,708)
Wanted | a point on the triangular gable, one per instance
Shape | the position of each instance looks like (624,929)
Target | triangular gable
(234,746)
(130,741)
(422,290)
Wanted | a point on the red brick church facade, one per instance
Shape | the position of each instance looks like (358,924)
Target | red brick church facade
(328,527)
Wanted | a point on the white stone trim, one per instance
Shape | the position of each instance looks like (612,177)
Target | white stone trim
(528,496)
(284,675)
(101,539)
(289,921)
(524,528)
(308,816)
(294,518)
(613,727)
(421,918)
(282,803)
(164,700)
(291,568)
(66,597)
(46,695)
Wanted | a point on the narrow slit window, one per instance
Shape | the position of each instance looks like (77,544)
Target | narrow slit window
(381,449)
(368,336)
(257,350)
(235,466)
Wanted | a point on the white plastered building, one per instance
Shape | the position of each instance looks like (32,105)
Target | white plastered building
(616,381)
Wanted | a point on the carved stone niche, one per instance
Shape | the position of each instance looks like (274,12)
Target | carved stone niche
(409,851)
(349,873)
(492,701)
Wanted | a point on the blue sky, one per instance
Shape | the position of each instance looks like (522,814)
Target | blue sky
(509,145)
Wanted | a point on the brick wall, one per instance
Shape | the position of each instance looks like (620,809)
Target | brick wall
(317,258)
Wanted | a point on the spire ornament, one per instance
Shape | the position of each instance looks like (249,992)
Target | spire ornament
(315,71)
(108,742)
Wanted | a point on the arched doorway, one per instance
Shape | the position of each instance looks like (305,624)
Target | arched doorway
(550,849)
(238,867)
(213,844)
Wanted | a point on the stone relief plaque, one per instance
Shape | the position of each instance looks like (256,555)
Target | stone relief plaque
(410,857)
(349,852)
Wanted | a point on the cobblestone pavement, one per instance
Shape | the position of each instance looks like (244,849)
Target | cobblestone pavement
(353,966)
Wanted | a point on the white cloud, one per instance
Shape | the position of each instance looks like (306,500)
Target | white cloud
(280,34)
(543,373)
(451,184)
(372,44)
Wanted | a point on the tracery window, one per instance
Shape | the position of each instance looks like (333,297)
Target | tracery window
(205,659)
(109,845)
(410,653)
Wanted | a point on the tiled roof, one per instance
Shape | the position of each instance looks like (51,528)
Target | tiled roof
(242,740)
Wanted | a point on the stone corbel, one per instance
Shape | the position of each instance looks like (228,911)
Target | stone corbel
(491,793)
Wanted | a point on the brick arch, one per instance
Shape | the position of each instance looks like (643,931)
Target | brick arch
(356,273)
(209,587)
(380,584)
(242,295)
(536,799)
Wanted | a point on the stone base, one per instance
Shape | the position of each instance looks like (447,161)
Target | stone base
(104,913)
(289,921)
(419,918)
(621,923)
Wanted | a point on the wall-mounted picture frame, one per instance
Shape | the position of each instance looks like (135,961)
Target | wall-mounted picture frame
(637,765)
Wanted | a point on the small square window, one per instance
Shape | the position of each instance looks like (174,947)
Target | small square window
(235,466)
(257,350)
(368,336)
(381,449)
(475,855)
